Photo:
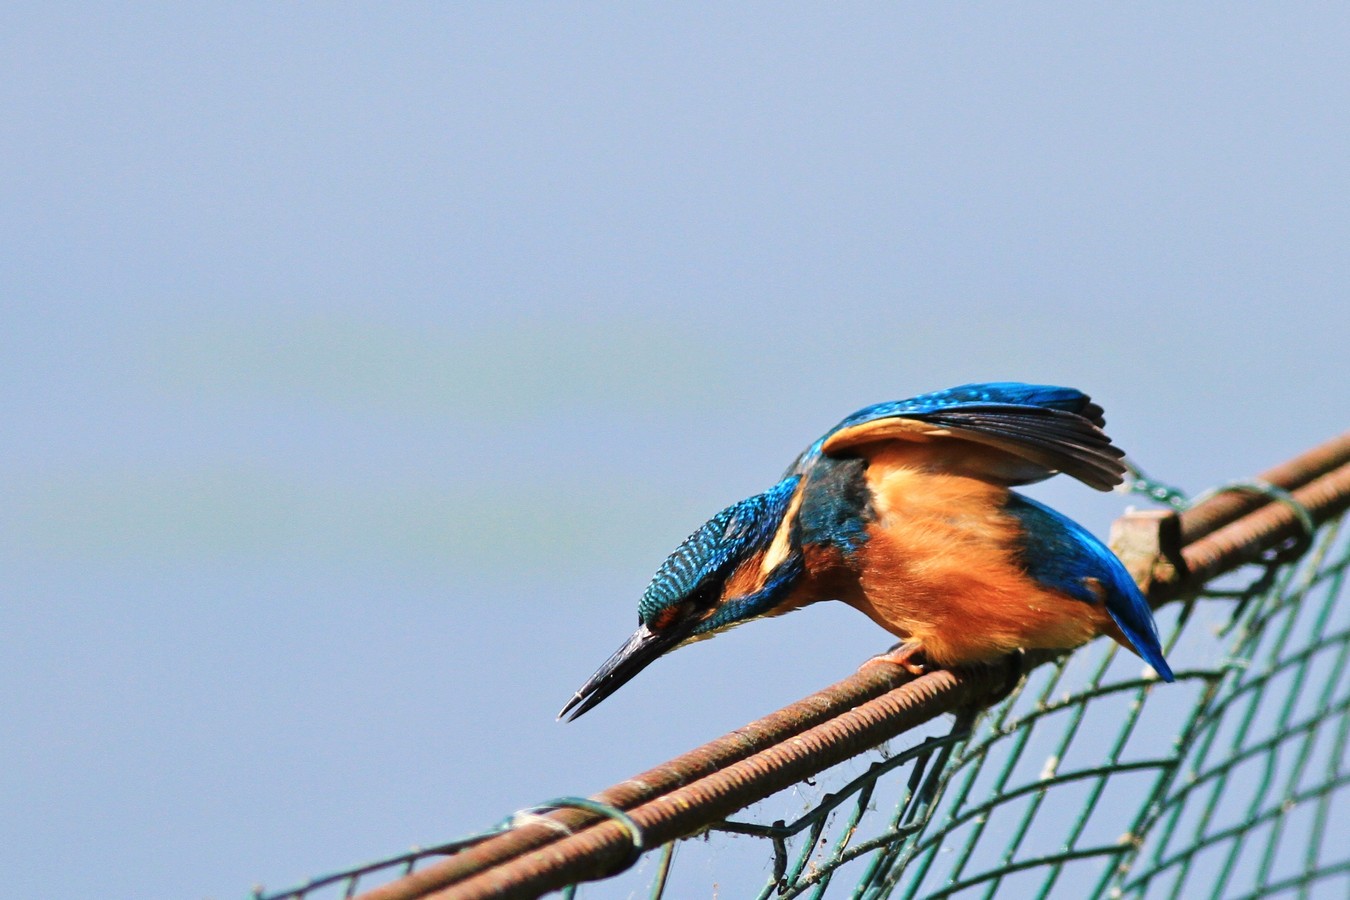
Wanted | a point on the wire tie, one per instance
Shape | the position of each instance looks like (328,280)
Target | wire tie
(521,818)
(1279,495)
(1141,483)
(637,844)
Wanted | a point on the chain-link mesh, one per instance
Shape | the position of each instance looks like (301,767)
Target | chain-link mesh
(1091,779)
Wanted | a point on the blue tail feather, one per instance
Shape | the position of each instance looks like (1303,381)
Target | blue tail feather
(1060,553)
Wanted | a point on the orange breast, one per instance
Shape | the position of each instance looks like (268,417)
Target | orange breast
(940,568)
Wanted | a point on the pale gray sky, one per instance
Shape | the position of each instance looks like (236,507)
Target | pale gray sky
(359,364)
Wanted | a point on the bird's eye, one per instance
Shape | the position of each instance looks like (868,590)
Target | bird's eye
(707,597)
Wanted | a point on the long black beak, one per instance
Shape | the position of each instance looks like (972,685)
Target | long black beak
(640,651)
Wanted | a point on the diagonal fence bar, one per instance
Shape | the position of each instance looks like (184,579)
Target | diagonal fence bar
(1220,509)
(1171,555)
(1246,539)
(600,850)
(770,731)
(596,851)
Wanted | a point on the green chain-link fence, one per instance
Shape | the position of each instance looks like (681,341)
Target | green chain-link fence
(1091,779)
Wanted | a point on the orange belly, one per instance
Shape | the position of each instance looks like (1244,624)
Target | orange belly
(940,569)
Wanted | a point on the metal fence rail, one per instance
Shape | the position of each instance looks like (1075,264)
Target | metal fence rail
(1083,779)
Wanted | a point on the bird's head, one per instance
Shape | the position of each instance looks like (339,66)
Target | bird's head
(738,566)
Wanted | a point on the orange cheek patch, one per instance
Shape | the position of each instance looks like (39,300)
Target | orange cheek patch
(822,557)
(665,618)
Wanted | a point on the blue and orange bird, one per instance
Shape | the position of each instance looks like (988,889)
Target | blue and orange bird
(904,511)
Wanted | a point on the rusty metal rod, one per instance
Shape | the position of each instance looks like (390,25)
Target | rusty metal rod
(1245,540)
(1233,536)
(772,729)
(596,852)
(1223,508)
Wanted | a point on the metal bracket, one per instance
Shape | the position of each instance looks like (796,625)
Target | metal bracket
(1148,542)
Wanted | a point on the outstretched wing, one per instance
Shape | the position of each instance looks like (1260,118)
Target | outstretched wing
(1035,431)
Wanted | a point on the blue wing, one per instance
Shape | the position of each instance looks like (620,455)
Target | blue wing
(1003,393)
(1061,554)
(1046,429)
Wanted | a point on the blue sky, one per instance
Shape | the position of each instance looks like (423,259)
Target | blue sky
(359,364)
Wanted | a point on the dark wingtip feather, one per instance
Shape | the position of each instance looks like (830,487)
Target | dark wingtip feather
(1057,428)
(1061,440)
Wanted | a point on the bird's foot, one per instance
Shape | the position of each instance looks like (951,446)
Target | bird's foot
(908,655)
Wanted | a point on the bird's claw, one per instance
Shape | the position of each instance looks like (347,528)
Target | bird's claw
(907,655)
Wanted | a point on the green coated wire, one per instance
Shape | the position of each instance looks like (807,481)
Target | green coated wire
(1230,693)
(1157,491)
(1263,733)
(1295,690)
(1206,723)
(663,871)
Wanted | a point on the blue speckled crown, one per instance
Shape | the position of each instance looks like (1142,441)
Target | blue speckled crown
(724,540)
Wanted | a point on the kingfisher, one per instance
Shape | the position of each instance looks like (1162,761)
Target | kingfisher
(905,511)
